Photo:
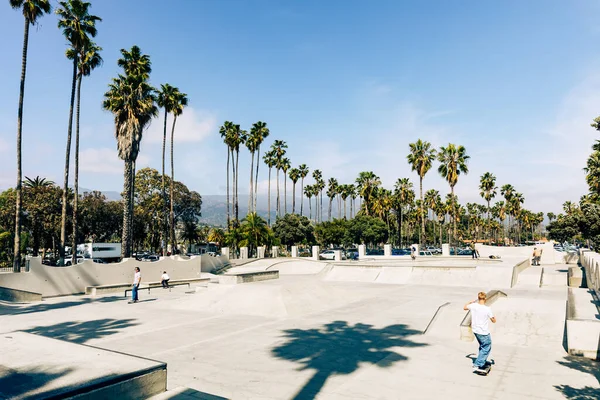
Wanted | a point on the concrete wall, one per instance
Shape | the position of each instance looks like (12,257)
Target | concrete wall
(590,261)
(583,325)
(57,281)
(549,255)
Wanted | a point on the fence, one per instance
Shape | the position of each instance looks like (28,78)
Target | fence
(7,268)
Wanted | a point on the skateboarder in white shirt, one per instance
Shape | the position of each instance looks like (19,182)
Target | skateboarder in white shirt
(480,317)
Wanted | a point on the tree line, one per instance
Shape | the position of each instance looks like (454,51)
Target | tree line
(132,100)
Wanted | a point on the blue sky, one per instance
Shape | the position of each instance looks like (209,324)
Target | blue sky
(347,84)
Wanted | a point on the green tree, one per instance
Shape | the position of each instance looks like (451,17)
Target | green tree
(131,100)
(421,158)
(331,193)
(292,229)
(366,183)
(278,149)
(403,197)
(259,133)
(78,25)
(285,165)
(365,229)
(453,162)
(255,231)
(487,190)
(318,187)
(331,233)
(32,11)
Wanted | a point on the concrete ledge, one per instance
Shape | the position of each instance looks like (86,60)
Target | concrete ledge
(247,277)
(104,289)
(466,334)
(37,367)
(575,276)
(517,269)
(583,323)
(19,296)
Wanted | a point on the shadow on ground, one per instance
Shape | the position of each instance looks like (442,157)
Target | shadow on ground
(20,308)
(82,331)
(338,348)
(190,394)
(586,366)
(15,383)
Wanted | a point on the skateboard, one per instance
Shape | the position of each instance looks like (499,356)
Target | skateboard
(485,370)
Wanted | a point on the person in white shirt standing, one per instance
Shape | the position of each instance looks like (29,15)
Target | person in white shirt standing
(480,317)
(137,279)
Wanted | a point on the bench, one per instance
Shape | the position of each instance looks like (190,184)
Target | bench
(466,334)
(583,323)
(247,277)
(103,289)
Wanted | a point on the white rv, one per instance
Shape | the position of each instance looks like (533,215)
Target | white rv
(109,252)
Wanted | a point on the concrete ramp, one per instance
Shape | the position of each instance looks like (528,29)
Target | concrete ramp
(353,274)
(37,367)
(394,275)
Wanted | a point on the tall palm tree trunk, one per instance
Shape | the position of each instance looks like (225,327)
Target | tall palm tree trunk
(19,194)
(131,206)
(233,171)
(76,172)
(251,195)
(172,214)
(269,199)
(329,210)
(488,224)
(228,158)
(284,192)
(126,235)
(293,197)
(256,180)
(63,218)
(421,212)
(453,217)
(310,208)
(301,196)
(165,225)
(237,174)
(345,215)
(278,205)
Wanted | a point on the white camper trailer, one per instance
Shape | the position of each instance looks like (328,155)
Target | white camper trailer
(108,252)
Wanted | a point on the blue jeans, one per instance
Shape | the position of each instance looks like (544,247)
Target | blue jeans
(485,346)
(134,293)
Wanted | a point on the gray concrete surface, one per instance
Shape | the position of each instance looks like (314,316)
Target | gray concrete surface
(38,367)
(303,336)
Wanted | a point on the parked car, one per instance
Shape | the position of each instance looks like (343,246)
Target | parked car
(352,254)
(434,250)
(150,258)
(327,255)
(98,261)
(425,253)
(400,252)
(69,260)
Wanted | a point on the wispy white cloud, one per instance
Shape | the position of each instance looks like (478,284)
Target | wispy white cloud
(106,161)
(192,126)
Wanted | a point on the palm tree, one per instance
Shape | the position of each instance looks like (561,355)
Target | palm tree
(331,193)
(251,144)
(516,201)
(319,186)
(190,233)
(487,187)
(237,138)
(132,101)
(78,26)
(285,166)
(453,162)
(420,159)
(367,182)
(165,99)
(32,10)
(507,191)
(278,147)
(353,193)
(180,101)
(294,176)
(551,216)
(403,191)
(592,172)
(37,182)
(261,133)
(429,203)
(254,228)
(224,131)
(303,174)
(270,160)
(89,59)
(308,192)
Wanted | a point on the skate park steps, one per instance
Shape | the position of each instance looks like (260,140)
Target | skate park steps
(38,367)
(583,323)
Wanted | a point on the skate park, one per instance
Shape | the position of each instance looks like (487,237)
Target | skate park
(302,328)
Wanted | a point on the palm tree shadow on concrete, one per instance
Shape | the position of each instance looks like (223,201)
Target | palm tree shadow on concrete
(340,349)
(83,331)
(586,366)
(19,383)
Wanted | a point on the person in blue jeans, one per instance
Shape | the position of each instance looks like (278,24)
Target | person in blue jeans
(480,317)
(137,279)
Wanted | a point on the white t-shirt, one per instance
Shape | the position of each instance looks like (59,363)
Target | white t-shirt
(480,318)
(137,278)
(164,277)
